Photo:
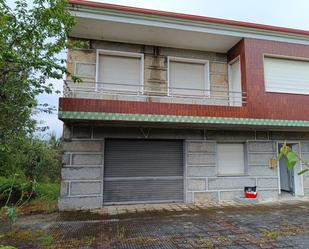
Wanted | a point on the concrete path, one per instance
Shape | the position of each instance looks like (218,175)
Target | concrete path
(279,225)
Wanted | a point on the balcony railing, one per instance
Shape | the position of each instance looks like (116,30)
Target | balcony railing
(102,90)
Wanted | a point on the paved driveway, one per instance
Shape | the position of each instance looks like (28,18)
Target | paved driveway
(262,226)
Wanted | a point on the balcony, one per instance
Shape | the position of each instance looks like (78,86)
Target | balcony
(125,92)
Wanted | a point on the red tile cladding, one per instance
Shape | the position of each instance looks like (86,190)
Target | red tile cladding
(117,106)
(260,104)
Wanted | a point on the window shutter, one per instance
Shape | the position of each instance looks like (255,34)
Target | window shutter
(123,70)
(286,75)
(230,159)
(187,75)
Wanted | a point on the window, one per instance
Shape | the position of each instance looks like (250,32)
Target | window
(235,93)
(286,75)
(119,71)
(188,76)
(230,159)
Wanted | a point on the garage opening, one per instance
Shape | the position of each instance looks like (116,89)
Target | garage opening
(143,171)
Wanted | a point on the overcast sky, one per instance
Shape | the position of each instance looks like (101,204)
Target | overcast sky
(286,13)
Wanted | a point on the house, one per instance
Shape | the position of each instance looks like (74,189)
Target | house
(180,108)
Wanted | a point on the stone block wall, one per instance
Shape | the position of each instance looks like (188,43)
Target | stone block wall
(305,157)
(83,163)
(82,63)
(82,170)
(203,183)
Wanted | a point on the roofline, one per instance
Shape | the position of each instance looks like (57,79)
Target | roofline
(188,17)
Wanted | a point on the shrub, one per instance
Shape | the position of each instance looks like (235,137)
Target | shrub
(23,189)
(16,190)
(32,158)
(47,191)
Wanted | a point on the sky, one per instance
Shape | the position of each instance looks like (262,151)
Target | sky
(284,13)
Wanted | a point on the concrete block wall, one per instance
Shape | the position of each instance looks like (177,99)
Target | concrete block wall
(82,63)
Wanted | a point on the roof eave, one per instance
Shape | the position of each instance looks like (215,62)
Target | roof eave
(200,23)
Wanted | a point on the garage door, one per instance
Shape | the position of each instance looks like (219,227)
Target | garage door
(143,171)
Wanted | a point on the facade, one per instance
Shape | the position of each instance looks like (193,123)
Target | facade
(180,108)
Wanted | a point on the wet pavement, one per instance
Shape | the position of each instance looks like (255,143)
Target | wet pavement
(284,225)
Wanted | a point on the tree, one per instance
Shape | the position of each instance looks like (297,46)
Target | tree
(31,37)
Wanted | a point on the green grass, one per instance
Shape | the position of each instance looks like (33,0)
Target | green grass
(48,191)
(42,191)
(46,240)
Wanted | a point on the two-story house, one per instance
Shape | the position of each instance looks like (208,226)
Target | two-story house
(180,108)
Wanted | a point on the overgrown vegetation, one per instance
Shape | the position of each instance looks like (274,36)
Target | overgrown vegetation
(38,166)
(33,158)
(31,38)
(17,191)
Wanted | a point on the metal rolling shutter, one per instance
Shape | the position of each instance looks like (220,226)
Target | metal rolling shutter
(143,171)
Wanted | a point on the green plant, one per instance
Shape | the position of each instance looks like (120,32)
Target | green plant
(11,213)
(46,240)
(15,193)
(34,158)
(32,35)
(120,234)
(47,191)
(7,247)
(78,43)
(291,158)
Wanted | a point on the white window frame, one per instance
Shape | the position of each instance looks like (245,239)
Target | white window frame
(229,65)
(194,61)
(120,53)
(244,173)
(276,56)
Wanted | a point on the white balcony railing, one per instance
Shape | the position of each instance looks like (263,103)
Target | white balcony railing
(102,90)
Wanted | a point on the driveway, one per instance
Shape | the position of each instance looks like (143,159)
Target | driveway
(284,225)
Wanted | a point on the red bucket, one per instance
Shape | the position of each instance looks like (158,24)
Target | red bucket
(250,192)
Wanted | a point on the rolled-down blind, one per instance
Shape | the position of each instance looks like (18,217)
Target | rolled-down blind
(119,72)
(188,75)
(286,75)
(230,159)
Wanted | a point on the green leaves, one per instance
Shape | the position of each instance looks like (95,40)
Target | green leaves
(291,158)
(7,247)
(302,172)
(289,155)
(11,214)
(31,38)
